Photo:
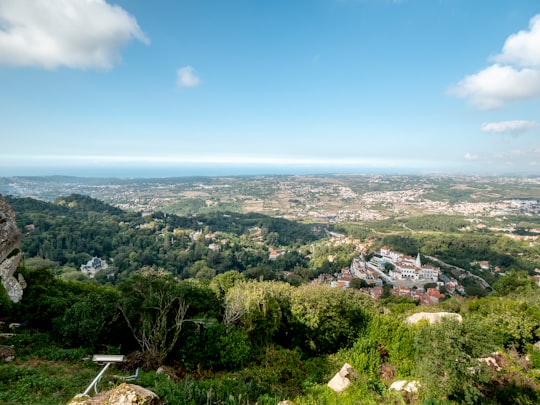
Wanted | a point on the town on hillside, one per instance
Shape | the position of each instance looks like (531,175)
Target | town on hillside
(407,276)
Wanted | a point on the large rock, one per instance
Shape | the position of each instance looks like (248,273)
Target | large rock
(343,378)
(124,394)
(432,317)
(10,252)
(404,385)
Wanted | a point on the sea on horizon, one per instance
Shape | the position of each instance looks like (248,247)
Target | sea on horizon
(193,170)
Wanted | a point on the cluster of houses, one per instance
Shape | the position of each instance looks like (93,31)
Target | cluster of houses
(424,296)
(406,274)
(391,267)
(375,288)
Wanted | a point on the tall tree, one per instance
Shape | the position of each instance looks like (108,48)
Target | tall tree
(154,308)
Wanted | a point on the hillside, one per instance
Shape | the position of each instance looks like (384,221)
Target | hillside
(232,330)
(67,233)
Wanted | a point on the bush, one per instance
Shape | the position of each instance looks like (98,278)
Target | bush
(60,354)
(87,322)
(235,349)
(227,390)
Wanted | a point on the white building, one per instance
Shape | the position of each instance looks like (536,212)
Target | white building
(407,267)
(93,266)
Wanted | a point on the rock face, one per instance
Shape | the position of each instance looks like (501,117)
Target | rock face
(343,378)
(432,317)
(10,252)
(124,394)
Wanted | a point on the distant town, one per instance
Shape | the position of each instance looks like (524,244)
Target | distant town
(331,199)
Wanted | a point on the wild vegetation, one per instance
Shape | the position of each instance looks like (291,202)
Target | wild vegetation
(235,327)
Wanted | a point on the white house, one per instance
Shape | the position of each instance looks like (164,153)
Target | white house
(93,266)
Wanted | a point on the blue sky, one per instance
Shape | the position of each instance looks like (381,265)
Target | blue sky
(333,85)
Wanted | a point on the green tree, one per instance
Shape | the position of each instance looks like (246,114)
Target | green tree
(221,283)
(326,319)
(91,320)
(45,299)
(514,282)
(235,349)
(388,267)
(154,308)
(447,359)
(514,321)
(258,307)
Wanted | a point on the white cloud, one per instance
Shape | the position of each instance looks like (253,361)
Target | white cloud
(497,85)
(515,77)
(523,48)
(186,77)
(73,33)
(513,127)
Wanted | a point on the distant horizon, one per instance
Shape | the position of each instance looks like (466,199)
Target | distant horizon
(238,170)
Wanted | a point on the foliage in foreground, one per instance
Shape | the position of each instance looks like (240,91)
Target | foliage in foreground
(234,340)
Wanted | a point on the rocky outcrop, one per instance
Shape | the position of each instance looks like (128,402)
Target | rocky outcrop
(432,317)
(124,394)
(10,252)
(343,378)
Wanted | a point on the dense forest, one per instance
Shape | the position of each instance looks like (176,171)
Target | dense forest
(235,327)
(69,232)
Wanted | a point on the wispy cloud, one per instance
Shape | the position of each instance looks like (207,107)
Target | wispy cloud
(519,159)
(515,75)
(515,127)
(186,77)
(76,33)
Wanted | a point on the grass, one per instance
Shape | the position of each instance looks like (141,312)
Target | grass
(37,381)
